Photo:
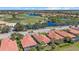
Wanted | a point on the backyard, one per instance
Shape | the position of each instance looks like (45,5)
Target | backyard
(68,47)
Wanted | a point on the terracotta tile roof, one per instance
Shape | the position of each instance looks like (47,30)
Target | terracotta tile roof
(28,41)
(64,33)
(8,45)
(54,35)
(40,38)
(73,31)
(76,28)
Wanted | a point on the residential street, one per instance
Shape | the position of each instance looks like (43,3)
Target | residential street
(35,31)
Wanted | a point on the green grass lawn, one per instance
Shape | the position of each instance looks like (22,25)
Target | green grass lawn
(68,47)
(60,47)
(25,19)
(31,20)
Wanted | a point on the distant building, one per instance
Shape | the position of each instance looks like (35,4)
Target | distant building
(34,14)
(2,23)
(11,24)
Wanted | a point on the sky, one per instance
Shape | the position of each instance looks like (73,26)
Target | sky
(39,3)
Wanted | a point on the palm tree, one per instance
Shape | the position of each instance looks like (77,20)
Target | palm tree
(68,40)
(18,35)
(33,49)
(41,46)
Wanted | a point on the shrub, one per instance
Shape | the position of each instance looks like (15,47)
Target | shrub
(18,27)
(64,44)
(5,29)
(33,49)
(53,45)
(18,35)
(41,46)
(57,42)
(47,48)
(67,40)
(0,42)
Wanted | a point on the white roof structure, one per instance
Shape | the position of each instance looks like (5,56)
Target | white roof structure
(7,23)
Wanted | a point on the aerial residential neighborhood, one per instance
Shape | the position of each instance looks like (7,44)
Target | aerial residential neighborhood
(39,30)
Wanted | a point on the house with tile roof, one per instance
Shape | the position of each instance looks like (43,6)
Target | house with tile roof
(73,31)
(65,34)
(41,38)
(54,36)
(27,42)
(8,45)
